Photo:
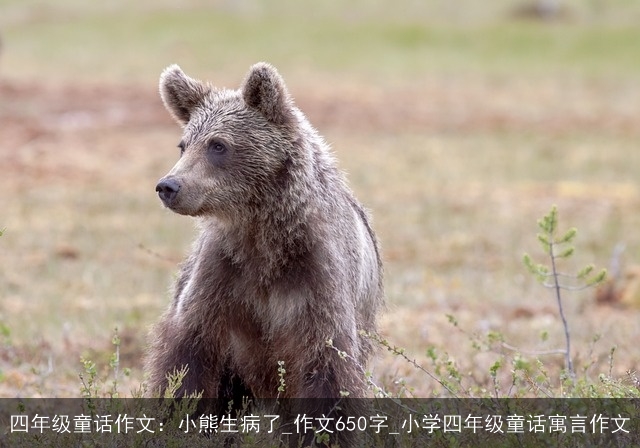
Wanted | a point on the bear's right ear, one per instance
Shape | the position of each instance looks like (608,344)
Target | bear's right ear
(180,93)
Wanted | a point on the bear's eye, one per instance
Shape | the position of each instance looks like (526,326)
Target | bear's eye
(181,146)
(218,152)
(217,147)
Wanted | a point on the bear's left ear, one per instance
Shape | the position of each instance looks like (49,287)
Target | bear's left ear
(180,93)
(264,90)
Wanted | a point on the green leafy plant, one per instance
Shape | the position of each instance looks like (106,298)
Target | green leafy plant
(558,246)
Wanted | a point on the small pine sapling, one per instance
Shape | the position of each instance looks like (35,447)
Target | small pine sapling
(559,248)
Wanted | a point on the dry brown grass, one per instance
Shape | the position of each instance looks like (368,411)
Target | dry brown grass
(456,171)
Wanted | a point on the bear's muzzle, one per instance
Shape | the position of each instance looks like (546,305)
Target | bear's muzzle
(167,190)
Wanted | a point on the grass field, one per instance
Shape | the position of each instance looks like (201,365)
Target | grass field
(458,128)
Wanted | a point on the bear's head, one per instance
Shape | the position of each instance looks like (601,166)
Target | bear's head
(237,145)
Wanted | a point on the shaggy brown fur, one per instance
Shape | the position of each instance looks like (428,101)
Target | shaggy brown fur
(285,260)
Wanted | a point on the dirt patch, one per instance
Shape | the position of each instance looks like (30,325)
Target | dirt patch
(438,105)
(32,111)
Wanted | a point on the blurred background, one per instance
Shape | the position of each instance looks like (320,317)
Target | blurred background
(459,123)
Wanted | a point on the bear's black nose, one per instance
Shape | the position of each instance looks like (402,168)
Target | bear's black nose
(167,190)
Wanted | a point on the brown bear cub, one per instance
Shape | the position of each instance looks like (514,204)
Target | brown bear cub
(286,258)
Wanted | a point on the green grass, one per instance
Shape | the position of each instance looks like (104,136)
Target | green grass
(91,45)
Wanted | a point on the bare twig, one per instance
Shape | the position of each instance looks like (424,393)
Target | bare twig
(557,287)
(558,351)
(400,352)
